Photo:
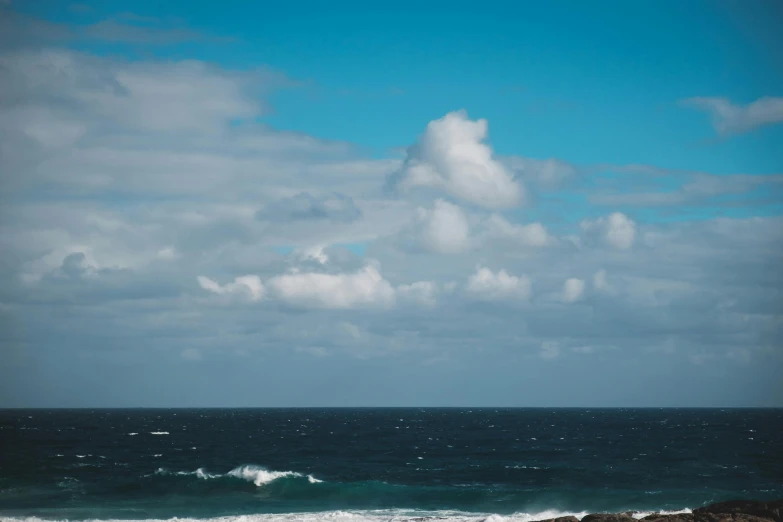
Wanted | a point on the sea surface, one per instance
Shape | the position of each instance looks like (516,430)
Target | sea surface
(381,464)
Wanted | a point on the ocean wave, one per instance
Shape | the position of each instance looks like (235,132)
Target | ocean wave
(159,433)
(258,475)
(290,488)
(199,473)
(384,515)
(642,514)
(378,515)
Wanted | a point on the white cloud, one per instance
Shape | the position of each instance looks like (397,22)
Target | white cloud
(728,118)
(451,156)
(421,292)
(158,97)
(531,235)
(491,286)
(249,286)
(168,253)
(573,290)
(444,229)
(161,202)
(315,253)
(365,287)
(616,230)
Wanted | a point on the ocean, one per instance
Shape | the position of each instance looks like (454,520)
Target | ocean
(381,464)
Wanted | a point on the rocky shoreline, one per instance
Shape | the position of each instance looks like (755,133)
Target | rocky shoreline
(730,511)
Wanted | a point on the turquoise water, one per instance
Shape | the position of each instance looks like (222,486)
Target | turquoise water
(381,464)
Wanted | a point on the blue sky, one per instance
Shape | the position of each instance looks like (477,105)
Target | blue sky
(400,204)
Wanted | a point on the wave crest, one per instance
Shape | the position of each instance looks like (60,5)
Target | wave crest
(258,475)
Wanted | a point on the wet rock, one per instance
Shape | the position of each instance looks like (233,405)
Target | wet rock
(729,517)
(680,517)
(741,510)
(608,517)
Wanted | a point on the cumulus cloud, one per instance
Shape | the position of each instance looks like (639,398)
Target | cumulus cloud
(305,207)
(170,189)
(444,229)
(617,230)
(168,253)
(729,118)
(451,155)
(422,292)
(530,235)
(315,253)
(365,287)
(492,286)
(249,286)
(573,290)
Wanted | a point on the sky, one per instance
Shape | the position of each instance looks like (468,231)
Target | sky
(533,204)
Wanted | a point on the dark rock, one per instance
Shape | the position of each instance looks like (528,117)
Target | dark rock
(608,517)
(729,517)
(680,517)
(745,508)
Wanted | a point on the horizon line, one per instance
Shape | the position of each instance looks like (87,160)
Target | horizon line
(7,408)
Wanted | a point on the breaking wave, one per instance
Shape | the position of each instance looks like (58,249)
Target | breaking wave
(379,515)
(258,475)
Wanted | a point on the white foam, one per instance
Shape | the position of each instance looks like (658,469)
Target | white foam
(388,515)
(641,514)
(159,433)
(255,474)
(260,476)
(202,474)
(132,434)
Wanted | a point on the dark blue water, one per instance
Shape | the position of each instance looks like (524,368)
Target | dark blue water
(381,463)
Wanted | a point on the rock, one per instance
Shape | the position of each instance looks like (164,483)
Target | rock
(729,517)
(608,517)
(731,511)
(741,510)
(680,517)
